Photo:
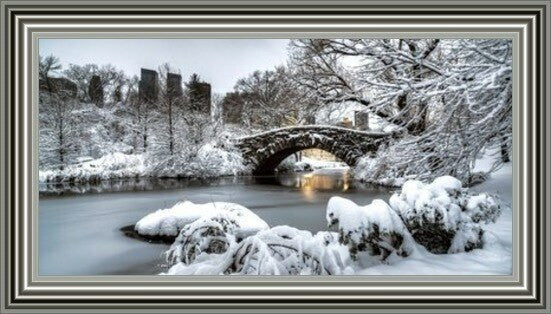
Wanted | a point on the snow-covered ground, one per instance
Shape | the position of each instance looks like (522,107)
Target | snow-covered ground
(494,259)
(375,235)
(111,166)
(309,164)
(211,160)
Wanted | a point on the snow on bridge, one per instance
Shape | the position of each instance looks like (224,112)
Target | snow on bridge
(267,149)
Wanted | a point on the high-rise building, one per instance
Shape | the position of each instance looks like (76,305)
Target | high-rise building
(149,85)
(174,85)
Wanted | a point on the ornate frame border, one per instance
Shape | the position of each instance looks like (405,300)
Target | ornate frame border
(23,23)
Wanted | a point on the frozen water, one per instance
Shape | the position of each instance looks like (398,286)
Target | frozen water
(79,234)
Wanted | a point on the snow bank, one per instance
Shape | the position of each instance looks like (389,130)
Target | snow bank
(111,166)
(308,164)
(211,160)
(169,221)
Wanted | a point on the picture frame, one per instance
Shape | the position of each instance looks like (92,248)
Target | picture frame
(25,22)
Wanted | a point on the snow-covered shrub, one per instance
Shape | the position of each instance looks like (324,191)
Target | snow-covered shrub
(169,221)
(374,229)
(481,207)
(284,250)
(225,238)
(210,235)
(442,215)
(220,160)
(208,246)
(467,238)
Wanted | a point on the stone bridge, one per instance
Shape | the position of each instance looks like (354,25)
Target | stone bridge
(264,151)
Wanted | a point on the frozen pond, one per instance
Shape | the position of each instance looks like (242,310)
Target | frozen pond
(79,233)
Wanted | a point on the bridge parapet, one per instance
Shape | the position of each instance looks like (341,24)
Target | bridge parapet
(264,151)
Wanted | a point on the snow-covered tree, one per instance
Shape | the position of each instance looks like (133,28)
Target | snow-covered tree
(136,116)
(48,65)
(112,80)
(452,98)
(271,99)
(58,123)
(168,111)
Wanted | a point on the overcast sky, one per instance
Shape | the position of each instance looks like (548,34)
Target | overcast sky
(218,61)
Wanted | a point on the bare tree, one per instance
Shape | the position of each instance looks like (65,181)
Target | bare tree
(168,111)
(47,65)
(271,99)
(112,80)
(137,115)
(58,129)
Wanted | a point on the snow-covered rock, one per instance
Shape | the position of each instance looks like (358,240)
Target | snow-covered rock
(169,221)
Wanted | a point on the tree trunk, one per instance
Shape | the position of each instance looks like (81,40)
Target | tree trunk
(61,144)
(144,138)
(505,153)
(170,129)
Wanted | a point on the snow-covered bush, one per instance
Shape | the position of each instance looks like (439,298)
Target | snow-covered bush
(225,238)
(442,215)
(169,221)
(284,250)
(209,246)
(374,229)
(220,160)
(210,235)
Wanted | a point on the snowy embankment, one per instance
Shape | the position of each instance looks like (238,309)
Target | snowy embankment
(290,164)
(209,161)
(436,228)
(111,166)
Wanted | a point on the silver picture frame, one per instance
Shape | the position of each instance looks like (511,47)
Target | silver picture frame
(24,23)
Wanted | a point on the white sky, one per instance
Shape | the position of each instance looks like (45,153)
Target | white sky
(220,62)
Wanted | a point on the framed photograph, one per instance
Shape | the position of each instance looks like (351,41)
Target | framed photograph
(275,156)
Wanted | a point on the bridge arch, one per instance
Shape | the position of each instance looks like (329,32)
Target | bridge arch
(265,151)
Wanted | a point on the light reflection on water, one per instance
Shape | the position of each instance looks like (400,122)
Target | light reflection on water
(309,183)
